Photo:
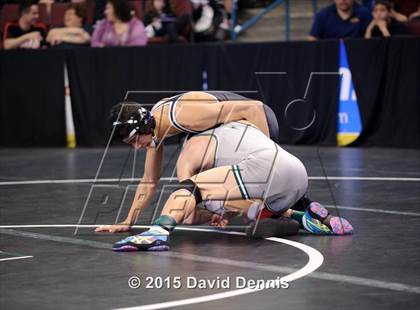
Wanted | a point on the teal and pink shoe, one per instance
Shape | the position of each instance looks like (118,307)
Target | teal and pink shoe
(146,241)
(316,214)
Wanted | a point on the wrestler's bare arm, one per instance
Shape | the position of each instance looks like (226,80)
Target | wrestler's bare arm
(147,187)
(145,190)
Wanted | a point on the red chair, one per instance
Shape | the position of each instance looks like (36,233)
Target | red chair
(90,12)
(406,7)
(138,6)
(57,14)
(181,7)
(184,8)
(10,12)
(44,17)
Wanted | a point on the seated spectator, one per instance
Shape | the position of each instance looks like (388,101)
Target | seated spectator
(343,19)
(25,32)
(383,25)
(162,22)
(394,14)
(415,15)
(119,28)
(210,20)
(74,32)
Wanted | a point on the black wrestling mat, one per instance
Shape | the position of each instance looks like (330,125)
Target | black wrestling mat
(46,264)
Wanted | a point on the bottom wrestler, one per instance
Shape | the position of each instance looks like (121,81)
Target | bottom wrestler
(231,162)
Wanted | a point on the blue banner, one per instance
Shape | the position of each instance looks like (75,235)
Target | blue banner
(349,124)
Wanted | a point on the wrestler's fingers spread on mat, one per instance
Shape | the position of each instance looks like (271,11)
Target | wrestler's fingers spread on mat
(218,221)
(224,223)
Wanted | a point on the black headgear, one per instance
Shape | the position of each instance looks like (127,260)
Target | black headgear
(140,122)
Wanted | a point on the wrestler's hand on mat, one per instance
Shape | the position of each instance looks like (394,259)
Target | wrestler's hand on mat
(116,228)
(219,221)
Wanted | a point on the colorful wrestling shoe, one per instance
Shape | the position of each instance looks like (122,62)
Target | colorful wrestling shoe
(315,216)
(150,240)
(272,227)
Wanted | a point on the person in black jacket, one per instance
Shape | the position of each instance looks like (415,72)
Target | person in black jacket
(161,21)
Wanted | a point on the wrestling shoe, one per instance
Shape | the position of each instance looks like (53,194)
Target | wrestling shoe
(272,227)
(315,216)
(150,240)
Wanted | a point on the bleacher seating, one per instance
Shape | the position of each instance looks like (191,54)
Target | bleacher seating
(9,12)
(138,8)
(406,7)
(181,7)
(57,14)
(44,17)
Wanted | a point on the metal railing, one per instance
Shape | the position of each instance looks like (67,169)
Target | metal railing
(236,29)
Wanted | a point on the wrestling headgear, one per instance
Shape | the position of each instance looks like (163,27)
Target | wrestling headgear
(139,122)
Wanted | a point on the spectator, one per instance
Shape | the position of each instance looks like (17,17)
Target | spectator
(74,32)
(161,21)
(119,28)
(383,25)
(25,32)
(343,19)
(208,18)
(415,15)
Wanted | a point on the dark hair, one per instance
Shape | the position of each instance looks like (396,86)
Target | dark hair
(79,10)
(125,111)
(25,5)
(122,9)
(122,111)
(385,3)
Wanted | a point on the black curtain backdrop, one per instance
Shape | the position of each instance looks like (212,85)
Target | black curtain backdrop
(281,72)
(385,74)
(32,98)
(100,78)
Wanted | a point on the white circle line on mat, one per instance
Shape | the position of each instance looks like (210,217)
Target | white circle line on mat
(315,261)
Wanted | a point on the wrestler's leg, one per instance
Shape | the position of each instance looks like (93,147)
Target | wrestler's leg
(214,184)
(219,212)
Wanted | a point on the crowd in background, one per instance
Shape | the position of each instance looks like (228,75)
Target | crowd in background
(105,23)
(115,23)
(371,18)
